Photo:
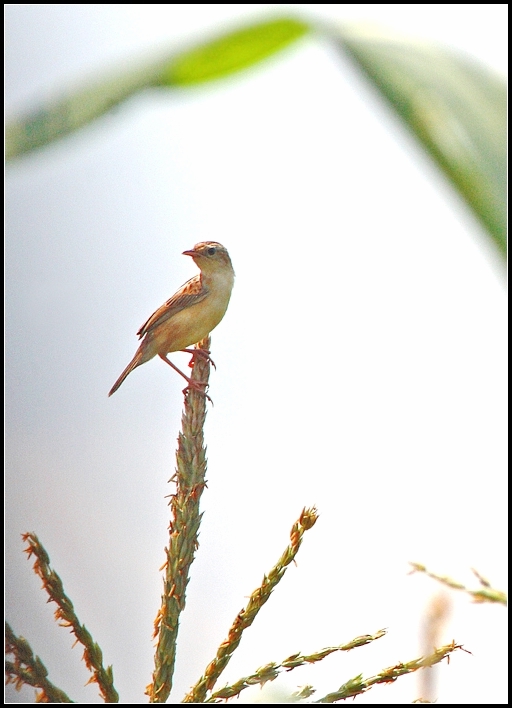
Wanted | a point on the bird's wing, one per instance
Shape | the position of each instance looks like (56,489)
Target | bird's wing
(192,292)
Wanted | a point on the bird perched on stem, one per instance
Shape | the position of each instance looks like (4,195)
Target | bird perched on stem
(190,314)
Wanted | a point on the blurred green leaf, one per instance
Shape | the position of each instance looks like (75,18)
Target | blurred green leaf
(233,52)
(455,107)
(210,60)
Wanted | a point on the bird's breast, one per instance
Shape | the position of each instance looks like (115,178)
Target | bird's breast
(195,322)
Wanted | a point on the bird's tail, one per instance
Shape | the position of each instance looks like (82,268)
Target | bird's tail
(137,360)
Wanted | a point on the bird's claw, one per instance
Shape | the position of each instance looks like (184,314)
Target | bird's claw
(204,353)
(189,388)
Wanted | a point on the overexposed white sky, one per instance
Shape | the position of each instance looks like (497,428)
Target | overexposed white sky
(361,365)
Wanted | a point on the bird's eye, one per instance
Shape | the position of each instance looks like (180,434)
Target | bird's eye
(212,251)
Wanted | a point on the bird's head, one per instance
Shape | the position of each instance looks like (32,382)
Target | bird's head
(210,257)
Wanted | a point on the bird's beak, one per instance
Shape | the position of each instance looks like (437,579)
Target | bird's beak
(190,253)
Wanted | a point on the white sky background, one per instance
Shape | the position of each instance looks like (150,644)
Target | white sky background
(360,367)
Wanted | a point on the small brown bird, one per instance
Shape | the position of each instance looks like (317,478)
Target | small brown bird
(191,313)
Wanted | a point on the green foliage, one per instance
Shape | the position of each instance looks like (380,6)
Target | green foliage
(207,61)
(233,51)
(455,107)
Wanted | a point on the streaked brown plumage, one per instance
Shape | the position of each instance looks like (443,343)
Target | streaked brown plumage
(190,314)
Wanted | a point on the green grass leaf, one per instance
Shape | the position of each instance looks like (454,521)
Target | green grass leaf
(233,52)
(454,106)
(207,61)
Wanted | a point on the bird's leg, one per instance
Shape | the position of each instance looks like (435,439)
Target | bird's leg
(199,352)
(199,386)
